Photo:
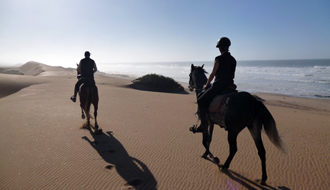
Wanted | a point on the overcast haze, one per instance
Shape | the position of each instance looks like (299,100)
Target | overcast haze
(57,32)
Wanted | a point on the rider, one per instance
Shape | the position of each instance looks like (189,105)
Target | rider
(86,70)
(224,73)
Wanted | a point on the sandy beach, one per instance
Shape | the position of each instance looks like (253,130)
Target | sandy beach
(145,142)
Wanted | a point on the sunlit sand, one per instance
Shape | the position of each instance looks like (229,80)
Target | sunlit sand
(145,142)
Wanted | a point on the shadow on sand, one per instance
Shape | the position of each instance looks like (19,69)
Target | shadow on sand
(249,184)
(245,182)
(132,170)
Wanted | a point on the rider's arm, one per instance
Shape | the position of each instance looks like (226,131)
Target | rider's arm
(79,67)
(215,68)
(94,68)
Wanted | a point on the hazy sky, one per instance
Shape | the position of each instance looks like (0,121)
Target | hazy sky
(58,32)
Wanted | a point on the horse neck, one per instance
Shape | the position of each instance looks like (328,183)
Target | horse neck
(197,92)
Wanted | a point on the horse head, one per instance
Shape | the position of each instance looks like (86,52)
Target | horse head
(197,78)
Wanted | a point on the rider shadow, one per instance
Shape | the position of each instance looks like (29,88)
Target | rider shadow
(132,170)
(246,182)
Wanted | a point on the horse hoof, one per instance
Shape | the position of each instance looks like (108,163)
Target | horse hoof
(83,117)
(216,160)
(262,182)
(224,169)
(85,126)
(98,131)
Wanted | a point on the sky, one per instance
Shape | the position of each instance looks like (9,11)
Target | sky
(58,32)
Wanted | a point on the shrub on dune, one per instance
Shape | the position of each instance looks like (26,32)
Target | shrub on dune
(159,83)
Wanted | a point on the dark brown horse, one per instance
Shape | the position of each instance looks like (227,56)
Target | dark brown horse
(239,111)
(88,94)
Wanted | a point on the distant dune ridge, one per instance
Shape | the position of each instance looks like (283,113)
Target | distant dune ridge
(145,142)
(33,72)
(33,68)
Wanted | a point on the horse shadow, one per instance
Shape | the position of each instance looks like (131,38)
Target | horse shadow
(248,184)
(132,170)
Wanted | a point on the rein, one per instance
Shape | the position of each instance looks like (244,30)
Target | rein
(198,88)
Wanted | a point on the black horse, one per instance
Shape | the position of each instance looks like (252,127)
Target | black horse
(239,110)
(88,94)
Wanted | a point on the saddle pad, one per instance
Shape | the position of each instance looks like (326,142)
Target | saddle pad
(217,103)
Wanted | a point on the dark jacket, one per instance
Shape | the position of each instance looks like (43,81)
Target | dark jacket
(87,68)
(226,71)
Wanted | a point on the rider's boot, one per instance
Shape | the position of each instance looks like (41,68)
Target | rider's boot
(74,97)
(202,128)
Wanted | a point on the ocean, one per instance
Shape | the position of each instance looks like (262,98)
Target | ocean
(300,78)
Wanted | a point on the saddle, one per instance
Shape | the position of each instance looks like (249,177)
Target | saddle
(218,102)
(217,109)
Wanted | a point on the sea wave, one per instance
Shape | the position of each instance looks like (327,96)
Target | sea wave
(297,78)
(321,67)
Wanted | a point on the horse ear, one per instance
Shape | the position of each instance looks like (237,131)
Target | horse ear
(202,65)
(192,66)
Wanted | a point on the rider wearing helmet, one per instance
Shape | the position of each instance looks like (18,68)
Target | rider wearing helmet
(224,73)
(86,70)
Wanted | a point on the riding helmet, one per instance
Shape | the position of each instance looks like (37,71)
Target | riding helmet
(223,42)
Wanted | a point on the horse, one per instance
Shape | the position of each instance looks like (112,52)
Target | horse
(88,94)
(240,110)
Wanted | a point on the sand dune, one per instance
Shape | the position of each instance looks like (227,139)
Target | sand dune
(32,75)
(145,142)
(10,84)
(33,68)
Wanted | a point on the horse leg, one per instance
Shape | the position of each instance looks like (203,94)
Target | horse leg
(82,104)
(95,116)
(206,143)
(88,116)
(207,138)
(255,131)
(88,122)
(82,113)
(262,155)
(232,137)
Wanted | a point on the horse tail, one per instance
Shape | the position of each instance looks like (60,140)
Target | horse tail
(270,126)
(89,101)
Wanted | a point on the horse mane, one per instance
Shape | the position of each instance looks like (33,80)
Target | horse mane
(201,69)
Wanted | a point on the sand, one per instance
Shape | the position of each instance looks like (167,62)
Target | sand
(145,142)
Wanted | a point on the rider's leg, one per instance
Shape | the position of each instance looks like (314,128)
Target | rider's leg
(203,104)
(76,89)
(202,128)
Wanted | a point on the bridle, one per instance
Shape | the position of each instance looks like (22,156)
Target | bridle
(192,84)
